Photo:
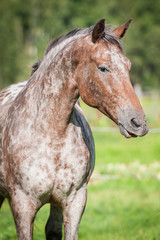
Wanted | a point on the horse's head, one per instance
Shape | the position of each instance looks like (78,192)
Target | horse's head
(103,79)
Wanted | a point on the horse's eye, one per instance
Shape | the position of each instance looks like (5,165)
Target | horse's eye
(103,69)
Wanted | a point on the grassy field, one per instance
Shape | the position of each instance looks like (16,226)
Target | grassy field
(124,208)
(117,209)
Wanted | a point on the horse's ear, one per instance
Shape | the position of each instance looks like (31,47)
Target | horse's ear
(121,30)
(98,30)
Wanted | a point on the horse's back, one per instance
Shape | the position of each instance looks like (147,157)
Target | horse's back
(7,97)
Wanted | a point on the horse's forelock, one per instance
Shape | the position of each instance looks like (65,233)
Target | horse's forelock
(112,39)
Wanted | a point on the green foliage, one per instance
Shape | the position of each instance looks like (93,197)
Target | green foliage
(27,26)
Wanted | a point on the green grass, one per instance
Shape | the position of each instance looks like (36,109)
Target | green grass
(122,209)
(112,147)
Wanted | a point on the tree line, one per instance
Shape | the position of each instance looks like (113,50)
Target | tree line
(27,26)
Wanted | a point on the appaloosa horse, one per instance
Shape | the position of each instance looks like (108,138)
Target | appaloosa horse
(46,146)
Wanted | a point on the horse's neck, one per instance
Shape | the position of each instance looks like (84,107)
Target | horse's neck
(53,94)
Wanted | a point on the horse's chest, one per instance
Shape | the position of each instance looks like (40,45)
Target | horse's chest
(52,168)
(72,167)
(74,160)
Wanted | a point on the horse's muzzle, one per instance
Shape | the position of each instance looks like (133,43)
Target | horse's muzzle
(132,123)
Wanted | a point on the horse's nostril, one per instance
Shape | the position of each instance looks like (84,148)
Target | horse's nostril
(135,123)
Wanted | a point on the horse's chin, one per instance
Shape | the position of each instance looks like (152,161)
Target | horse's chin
(128,127)
(125,133)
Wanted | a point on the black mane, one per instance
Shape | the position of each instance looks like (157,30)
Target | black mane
(108,36)
(57,41)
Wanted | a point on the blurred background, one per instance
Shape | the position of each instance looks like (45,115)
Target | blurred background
(124,192)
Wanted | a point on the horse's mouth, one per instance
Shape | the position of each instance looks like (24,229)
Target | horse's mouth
(122,129)
(130,129)
(126,133)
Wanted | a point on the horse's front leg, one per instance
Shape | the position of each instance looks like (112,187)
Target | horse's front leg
(24,209)
(54,224)
(73,212)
